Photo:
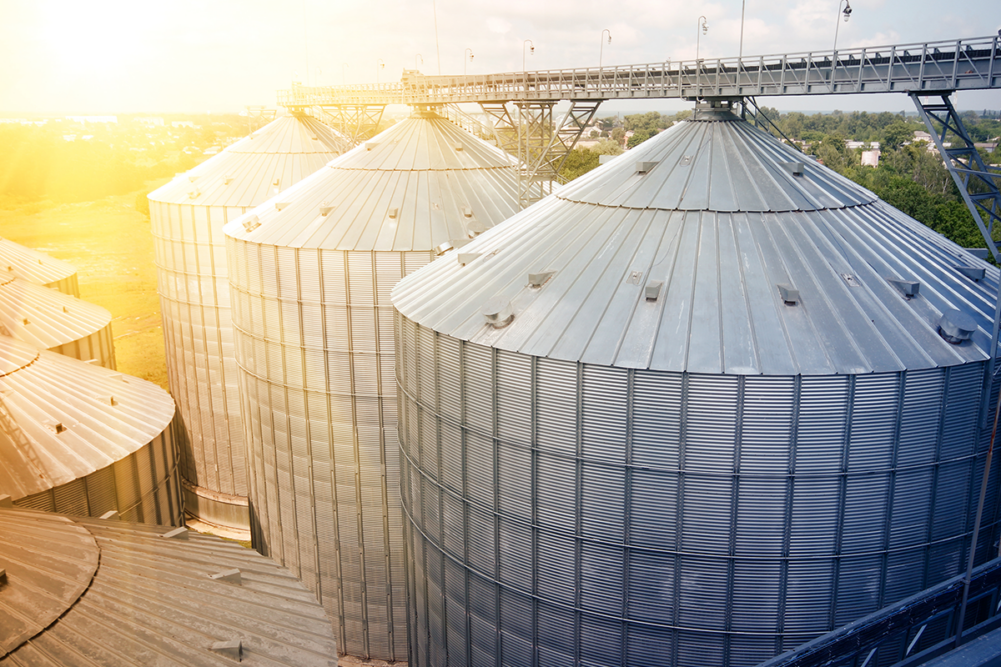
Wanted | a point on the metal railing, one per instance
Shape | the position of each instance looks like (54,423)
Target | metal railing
(961,64)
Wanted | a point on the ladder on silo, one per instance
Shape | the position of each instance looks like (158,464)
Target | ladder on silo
(22,443)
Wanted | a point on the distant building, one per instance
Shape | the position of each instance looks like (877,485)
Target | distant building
(852,145)
(93,119)
(181,123)
(151,121)
(922,136)
(870,158)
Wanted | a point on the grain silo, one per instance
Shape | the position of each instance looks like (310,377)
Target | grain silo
(702,404)
(38,268)
(82,439)
(83,592)
(51,320)
(312,273)
(187,217)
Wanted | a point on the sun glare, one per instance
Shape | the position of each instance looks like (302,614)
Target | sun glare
(94,43)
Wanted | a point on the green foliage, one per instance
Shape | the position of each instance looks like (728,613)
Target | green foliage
(582,160)
(639,136)
(895,134)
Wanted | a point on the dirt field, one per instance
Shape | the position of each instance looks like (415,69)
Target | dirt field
(111,245)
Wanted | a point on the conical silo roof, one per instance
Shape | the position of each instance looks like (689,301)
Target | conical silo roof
(62,419)
(51,320)
(712,248)
(418,184)
(37,267)
(257,167)
(101,592)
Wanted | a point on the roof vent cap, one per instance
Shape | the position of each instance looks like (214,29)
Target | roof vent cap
(231,576)
(369,145)
(794,168)
(251,223)
(458,146)
(467,257)
(604,159)
(326,208)
(474,228)
(232,649)
(789,294)
(956,326)
(228,180)
(393,213)
(497,312)
(192,178)
(176,534)
(279,205)
(467,212)
(276,182)
(644,167)
(979,253)
(442,248)
(193,194)
(975,273)
(652,289)
(541,278)
(909,288)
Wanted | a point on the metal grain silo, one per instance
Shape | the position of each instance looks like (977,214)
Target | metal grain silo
(693,409)
(187,217)
(82,439)
(51,320)
(311,276)
(38,268)
(84,592)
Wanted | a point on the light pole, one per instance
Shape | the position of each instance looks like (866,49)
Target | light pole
(464,61)
(601,50)
(698,35)
(344,74)
(378,66)
(416,58)
(740,51)
(523,45)
(847,14)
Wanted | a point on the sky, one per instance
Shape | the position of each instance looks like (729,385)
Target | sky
(134,56)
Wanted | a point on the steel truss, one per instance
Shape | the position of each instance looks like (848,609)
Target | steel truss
(540,144)
(977,183)
(355,122)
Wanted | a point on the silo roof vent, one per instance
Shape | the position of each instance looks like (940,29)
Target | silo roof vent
(497,312)
(652,290)
(975,273)
(956,326)
(467,212)
(789,294)
(474,228)
(467,257)
(442,248)
(393,213)
(603,159)
(279,205)
(540,278)
(193,194)
(176,534)
(228,179)
(644,167)
(325,209)
(251,223)
(276,182)
(979,253)
(231,576)
(231,649)
(794,168)
(909,288)
(458,147)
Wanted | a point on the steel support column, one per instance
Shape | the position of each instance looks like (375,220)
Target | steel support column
(977,183)
(356,122)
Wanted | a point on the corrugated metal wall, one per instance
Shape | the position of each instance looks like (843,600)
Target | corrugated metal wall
(563,513)
(194,300)
(98,347)
(144,487)
(314,334)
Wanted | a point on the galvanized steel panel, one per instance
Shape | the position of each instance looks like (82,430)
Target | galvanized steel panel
(770,509)
(153,599)
(315,345)
(64,419)
(187,217)
(51,320)
(718,309)
(38,268)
